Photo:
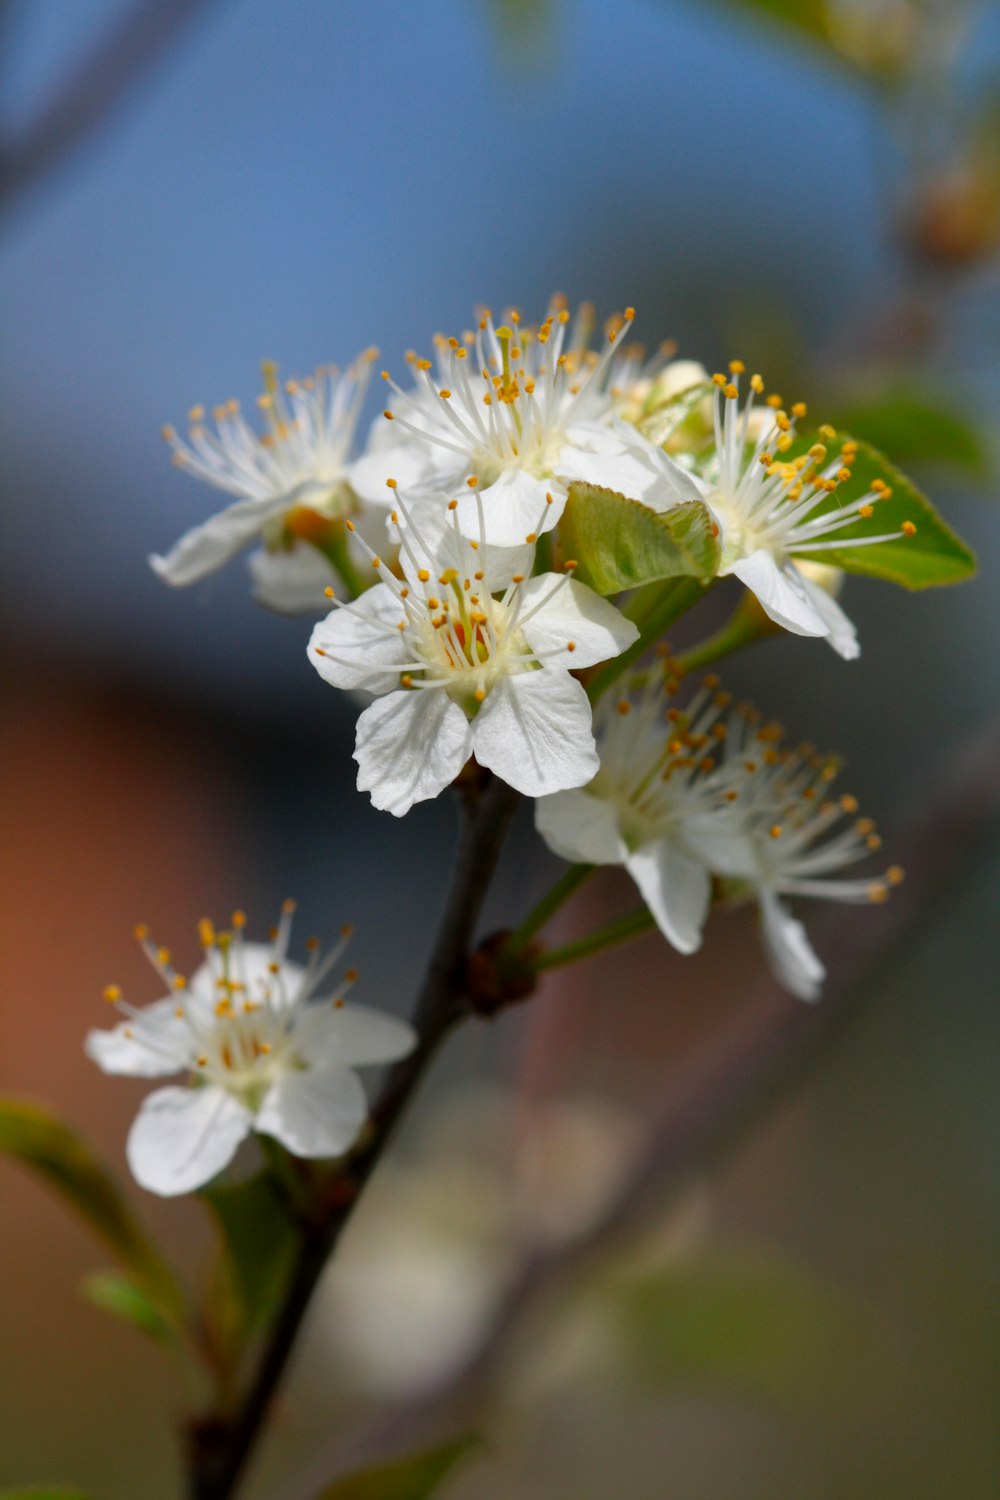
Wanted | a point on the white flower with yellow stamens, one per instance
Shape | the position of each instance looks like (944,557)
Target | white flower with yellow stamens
(785,835)
(526,410)
(291,480)
(683,796)
(658,783)
(465,656)
(265,1051)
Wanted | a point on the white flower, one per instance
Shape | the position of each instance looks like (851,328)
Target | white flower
(685,796)
(769,510)
(533,413)
(292,480)
(785,835)
(290,580)
(265,1053)
(465,656)
(656,786)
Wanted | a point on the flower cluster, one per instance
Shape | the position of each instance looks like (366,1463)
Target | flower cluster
(710,794)
(270,1046)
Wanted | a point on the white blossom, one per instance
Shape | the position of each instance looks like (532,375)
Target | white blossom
(683,797)
(523,410)
(467,655)
(291,481)
(267,1048)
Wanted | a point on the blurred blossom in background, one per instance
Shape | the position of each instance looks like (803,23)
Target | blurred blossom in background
(812,186)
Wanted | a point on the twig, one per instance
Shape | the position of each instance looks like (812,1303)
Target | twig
(220,1445)
(93,89)
(734,1079)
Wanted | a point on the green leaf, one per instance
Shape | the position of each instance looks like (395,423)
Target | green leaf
(259,1242)
(933,556)
(754,1323)
(124,1299)
(415,1478)
(916,428)
(63,1159)
(43,1492)
(619,544)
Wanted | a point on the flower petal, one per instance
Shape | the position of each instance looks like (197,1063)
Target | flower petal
(780,592)
(841,633)
(557,610)
(205,548)
(352,1036)
(580,827)
(410,746)
(361,646)
(290,580)
(788,949)
(316,1113)
(535,731)
(182,1137)
(408,463)
(513,508)
(153,1045)
(676,889)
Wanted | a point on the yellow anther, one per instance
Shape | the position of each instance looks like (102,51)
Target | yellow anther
(388,415)
(895,875)
(908,528)
(775,830)
(877,892)
(472,481)
(112,994)
(206,932)
(866,512)
(571,645)
(848,803)
(624,706)
(799,410)
(288,906)
(479,694)
(392,484)
(737,367)
(532,536)
(140,932)
(719,380)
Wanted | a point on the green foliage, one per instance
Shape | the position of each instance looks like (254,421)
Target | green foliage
(43,1492)
(933,556)
(619,544)
(917,428)
(415,1478)
(121,1297)
(757,1324)
(61,1157)
(259,1241)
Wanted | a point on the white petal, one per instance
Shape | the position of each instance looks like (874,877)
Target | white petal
(361,643)
(316,1113)
(676,889)
(780,592)
(513,508)
(205,548)
(842,635)
(432,543)
(580,827)
(182,1137)
(535,731)
(789,950)
(410,746)
(408,463)
(291,580)
(573,612)
(352,1036)
(629,463)
(152,1045)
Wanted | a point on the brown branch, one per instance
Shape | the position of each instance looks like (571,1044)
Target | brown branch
(220,1444)
(763,1052)
(93,89)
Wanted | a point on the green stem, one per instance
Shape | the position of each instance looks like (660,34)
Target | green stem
(335,549)
(672,599)
(747,624)
(636,922)
(547,907)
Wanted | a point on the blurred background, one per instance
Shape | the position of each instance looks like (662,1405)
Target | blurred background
(810,185)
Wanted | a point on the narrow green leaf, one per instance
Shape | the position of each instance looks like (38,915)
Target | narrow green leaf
(259,1241)
(415,1478)
(619,544)
(63,1159)
(124,1299)
(754,1323)
(918,428)
(934,555)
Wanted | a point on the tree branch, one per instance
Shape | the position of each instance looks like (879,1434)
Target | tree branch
(220,1444)
(93,90)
